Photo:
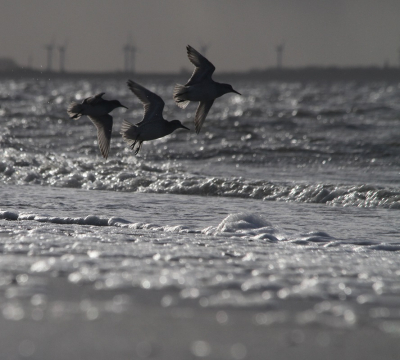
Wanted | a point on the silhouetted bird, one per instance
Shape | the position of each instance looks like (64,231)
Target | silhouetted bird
(97,109)
(200,87)
(153,126)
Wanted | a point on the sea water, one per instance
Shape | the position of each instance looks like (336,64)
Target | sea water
(289,195)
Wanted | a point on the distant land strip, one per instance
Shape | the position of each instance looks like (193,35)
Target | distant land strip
(303,74)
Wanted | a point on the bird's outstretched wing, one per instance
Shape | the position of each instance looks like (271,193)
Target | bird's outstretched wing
(201,113)
(153,105)
(104,126)
(94,100)
(203,68)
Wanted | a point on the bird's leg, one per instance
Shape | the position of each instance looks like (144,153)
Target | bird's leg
(139,147)
(133,145)
(135,142)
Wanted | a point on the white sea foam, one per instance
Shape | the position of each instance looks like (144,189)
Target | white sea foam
(167,179)
(245,260)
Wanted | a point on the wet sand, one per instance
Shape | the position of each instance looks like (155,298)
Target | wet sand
(79,322)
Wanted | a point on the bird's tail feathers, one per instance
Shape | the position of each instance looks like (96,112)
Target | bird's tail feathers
(129,134)
(126,125)
(75,110)
(179,92)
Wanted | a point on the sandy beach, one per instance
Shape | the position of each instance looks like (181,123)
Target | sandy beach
(136,325)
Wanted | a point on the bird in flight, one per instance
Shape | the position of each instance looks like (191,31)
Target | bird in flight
(97,109)
(153,125)
(200,87)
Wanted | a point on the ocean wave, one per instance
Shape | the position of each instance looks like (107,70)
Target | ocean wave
(133,175)
(246,226)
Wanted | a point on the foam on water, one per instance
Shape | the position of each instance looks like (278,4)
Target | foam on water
(130,174)
(245,260)
(250,226)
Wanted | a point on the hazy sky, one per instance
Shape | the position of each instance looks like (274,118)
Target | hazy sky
(242,33)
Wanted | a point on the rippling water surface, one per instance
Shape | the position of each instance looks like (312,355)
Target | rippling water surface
(289,194)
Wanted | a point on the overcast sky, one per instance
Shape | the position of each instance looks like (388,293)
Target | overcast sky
(242,34)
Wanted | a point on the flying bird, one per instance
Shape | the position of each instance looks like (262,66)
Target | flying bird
(153,125)
(200,87)
(97,109)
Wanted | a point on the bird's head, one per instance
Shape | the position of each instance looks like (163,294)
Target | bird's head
(116,104)
(229,89)
(176,124)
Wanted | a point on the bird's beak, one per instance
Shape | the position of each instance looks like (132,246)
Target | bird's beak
(184,127)
(124,106)
(236,92)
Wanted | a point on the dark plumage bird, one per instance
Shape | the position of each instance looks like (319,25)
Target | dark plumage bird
(200,87)
(153,125)
(97,109)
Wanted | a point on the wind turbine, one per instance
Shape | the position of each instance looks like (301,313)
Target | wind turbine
(126,50)
(204,48)
(279,55)
(133,50)
(129,50)
(61,50)
(398,50)
(49,48)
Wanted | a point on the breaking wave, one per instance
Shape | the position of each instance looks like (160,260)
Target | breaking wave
(130,174)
